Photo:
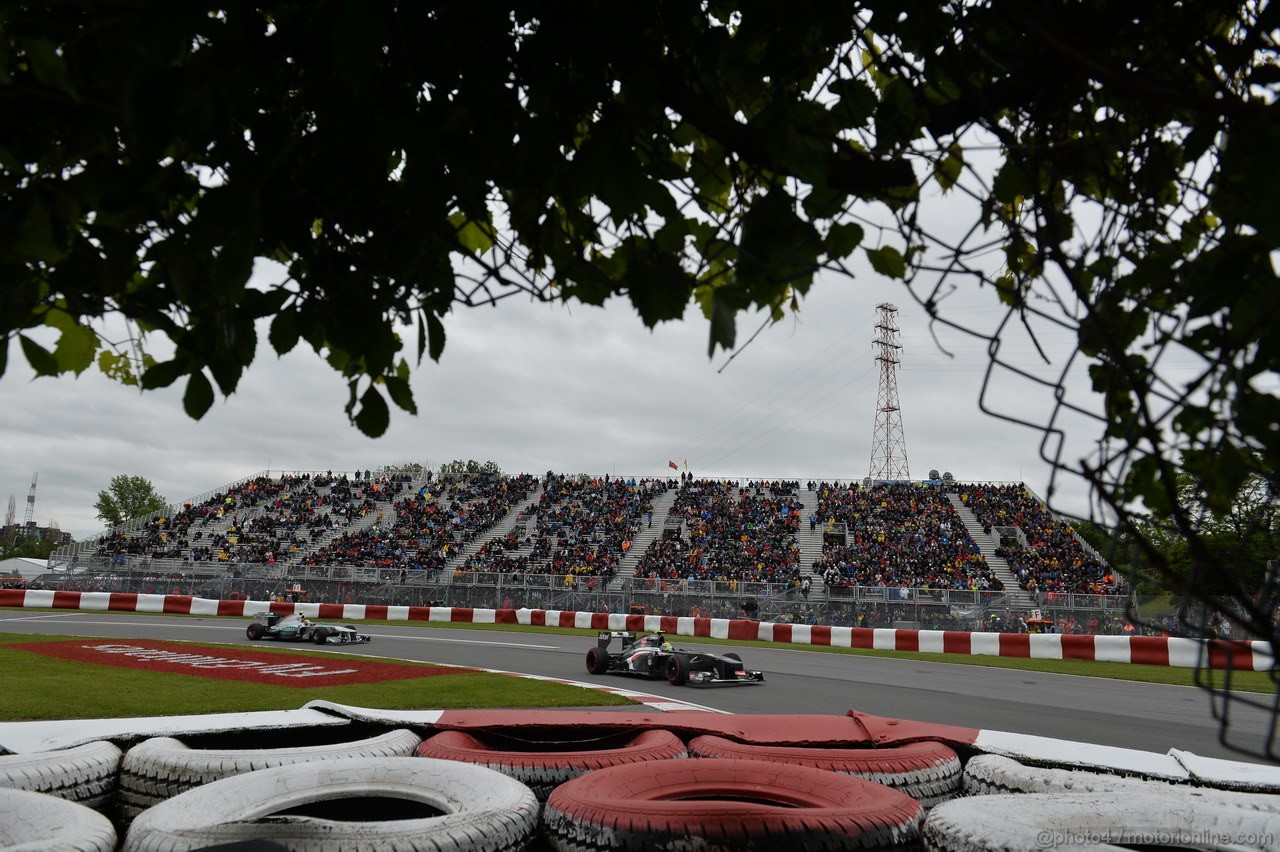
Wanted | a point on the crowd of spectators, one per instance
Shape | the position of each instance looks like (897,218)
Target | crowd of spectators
(898,535)
(1052,560)
(724,532)
(418,534)
(580,529)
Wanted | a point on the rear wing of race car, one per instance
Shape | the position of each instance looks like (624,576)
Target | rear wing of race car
(605,637)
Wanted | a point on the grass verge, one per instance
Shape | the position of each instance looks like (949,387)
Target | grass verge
(37,687)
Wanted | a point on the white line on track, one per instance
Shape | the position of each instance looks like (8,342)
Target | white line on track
(55,615)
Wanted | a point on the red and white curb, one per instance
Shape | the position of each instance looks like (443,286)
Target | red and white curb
(1146,650)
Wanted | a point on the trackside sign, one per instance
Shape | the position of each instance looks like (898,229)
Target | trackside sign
(232,664)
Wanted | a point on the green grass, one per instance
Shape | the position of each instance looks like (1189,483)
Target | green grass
(40,687)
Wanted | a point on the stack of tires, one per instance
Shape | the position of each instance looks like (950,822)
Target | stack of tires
(58,799)
(1008,805)
(586,788)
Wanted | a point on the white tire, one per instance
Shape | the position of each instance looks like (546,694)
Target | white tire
(86,774)
(991,774)
(36,822)
(1096,821)
(162,767)
(437,805)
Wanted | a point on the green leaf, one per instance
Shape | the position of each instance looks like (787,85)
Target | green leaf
(47,66)
(887,260)
(950,167)
(778,249)
(76,345)
(722,325)
(435,336)
(475,237)
(842,239)
(117,367)
(284,332)
(38,357)
(199,396)
(374,416)
(401,394)
(164,374)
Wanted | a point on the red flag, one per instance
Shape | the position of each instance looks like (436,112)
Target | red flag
(673,465)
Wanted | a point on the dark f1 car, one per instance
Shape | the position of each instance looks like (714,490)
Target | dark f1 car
(653,656)
(298,628)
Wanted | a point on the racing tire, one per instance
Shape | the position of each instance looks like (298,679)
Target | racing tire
(255,631)
(733,656)
(320,635)
(86,774)
(37,821)
(727,804)
(990,774)
(1095,821)
(677,670)
(162,767)
(417,804)
(928,772)
(597,661)
(543,770)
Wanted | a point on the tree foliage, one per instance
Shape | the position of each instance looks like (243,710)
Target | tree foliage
(458,467)
(1113,172)
(128,498)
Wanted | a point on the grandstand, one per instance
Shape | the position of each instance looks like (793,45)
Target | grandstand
(934,554)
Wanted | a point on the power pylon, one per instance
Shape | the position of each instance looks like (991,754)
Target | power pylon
(888,443)
(31,502)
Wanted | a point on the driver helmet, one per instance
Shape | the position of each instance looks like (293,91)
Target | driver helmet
(306,620)
(666,646)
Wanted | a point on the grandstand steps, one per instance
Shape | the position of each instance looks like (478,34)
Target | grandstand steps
(505,525)
(810,541)
(1019,598)
(645,537)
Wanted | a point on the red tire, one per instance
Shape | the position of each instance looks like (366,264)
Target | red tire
(734,804)
(546,767)
(928,772)
(597,661)
(677,671)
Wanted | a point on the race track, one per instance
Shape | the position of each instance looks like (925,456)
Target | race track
(1109,712)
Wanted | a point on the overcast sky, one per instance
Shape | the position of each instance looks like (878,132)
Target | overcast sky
(572,389)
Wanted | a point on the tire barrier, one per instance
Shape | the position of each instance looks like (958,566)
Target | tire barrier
(1095,821)
(727,804)
(162,767)
(38,822)
(551,764)
(86,774)
(989,774)
(927,772)
(1146,650)
(354,804)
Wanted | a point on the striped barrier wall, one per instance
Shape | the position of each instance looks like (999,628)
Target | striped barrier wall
(1144,650)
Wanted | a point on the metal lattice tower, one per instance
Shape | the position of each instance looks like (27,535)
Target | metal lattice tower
(31,501)
(888,443)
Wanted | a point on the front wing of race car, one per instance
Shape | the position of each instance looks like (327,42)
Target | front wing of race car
(338,636)
(706,670)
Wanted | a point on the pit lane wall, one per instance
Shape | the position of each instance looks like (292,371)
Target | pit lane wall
(1144,650)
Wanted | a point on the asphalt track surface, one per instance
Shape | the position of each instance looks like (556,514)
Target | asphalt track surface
(1150,717)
